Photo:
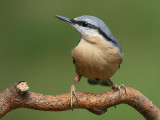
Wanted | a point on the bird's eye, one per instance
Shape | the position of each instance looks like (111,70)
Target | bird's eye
(85,24)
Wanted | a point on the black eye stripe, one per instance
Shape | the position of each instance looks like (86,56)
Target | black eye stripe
(84,24)
(108,38)
(81,23)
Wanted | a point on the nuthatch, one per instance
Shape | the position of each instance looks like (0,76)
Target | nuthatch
(98,54)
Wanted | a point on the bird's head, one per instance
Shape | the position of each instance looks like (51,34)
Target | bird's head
(87,25)
(90,26)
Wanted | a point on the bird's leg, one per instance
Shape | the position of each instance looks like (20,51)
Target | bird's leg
(117,87)
(72,90)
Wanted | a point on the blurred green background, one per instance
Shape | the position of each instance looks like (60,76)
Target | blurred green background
(36,47)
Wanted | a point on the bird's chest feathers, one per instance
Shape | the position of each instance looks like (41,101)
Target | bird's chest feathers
(95,56)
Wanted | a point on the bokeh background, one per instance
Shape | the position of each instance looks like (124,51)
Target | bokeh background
(36,47)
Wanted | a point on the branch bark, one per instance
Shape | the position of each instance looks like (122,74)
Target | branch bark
(18,96)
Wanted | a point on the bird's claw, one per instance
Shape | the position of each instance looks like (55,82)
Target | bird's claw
(72,92)
(119,87)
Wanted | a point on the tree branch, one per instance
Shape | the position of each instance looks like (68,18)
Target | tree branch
(18,96)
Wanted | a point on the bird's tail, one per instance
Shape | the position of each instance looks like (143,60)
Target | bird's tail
(99,82)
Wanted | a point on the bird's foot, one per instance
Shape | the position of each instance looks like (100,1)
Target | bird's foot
(119,87)
(71,93)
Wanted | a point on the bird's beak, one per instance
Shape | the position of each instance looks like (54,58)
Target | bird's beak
(65,19)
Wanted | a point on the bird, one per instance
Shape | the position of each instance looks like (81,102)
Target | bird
(98,54)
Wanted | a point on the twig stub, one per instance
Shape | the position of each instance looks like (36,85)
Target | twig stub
(22,87)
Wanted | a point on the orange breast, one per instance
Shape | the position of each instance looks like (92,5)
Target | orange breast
(96,60)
